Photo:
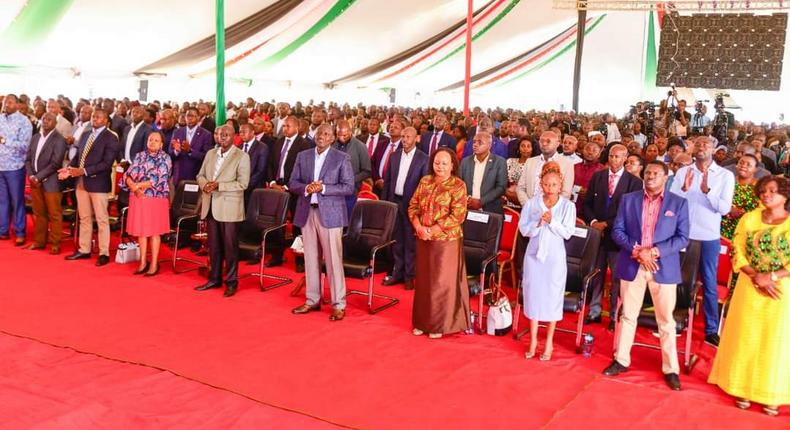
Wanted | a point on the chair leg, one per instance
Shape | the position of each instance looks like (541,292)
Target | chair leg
(175,259)
(580,326)
(281,280)
(617,325)
(390,301)
(687,357)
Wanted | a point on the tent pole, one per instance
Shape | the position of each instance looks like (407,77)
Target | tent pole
(577,65)
(220,50)
(468,70)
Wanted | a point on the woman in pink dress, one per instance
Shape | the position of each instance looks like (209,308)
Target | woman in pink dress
(149,200)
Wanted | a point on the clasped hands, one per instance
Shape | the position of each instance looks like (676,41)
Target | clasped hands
(314,187)
(473,203)
(703,186)
(645,256)
(178,145)
(70,172)
(545,219)
(765,285)
(210,187)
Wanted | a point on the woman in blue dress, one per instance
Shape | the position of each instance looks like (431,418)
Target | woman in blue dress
(547,219)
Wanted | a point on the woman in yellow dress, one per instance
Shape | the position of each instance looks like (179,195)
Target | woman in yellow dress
(753,360)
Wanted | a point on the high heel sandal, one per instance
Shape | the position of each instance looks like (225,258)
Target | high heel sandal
(546,356)
(743,403)
(141,271)
(149,274)
(771,411)
(528,355)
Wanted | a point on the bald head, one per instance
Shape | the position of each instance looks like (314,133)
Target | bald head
(549,142)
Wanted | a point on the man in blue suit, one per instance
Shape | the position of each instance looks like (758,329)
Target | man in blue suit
(188,148)
(432,140)
(407,166)
(321,180)
(651,228)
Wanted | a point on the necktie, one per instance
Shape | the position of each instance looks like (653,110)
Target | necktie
(87,150)
(433,142)
(387,160)
(370,146)
(283,154)
(246,147)
(612,178)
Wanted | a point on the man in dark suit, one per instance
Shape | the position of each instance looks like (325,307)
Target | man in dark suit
(383,155)
(407,166)
(432,140)
(92,168)
(374,140)
(360,161)
(133,140)
(44,158)
(651,228)
(321,180)
(259,157)
(188,148)
(281,163)
(117,120)
(485,175)
(601,201)
(206,121)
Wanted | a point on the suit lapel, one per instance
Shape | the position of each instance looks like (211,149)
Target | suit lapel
(325,165)
(639,202)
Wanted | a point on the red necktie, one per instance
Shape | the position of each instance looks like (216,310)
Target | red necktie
(370,146)
(612,178)
(433,142)
(387,160)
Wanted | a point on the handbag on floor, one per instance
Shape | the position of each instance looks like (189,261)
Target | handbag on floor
(499,320)
(127,253)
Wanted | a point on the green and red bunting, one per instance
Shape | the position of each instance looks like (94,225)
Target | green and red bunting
(34,23)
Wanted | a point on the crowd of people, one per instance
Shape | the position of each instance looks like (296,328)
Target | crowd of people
(648,195)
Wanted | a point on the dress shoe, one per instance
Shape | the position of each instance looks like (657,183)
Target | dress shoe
(712,339)
(78,256)
(229,291)
(610,327)
(615,369)
(409,284)
(34,247)
(337,314)
(389,281)
(54,250)
(274,262)
(154,273)
(19,241)
(305,308)
(207,286)
(141,271)
(673,381)
(299,267)
(590,319)
(4,237)
(102,260)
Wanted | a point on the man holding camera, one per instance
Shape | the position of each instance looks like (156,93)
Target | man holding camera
(680,122)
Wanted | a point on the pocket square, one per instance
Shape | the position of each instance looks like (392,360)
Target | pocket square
(669,213)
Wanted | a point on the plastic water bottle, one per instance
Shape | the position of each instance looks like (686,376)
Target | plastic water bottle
(587,345)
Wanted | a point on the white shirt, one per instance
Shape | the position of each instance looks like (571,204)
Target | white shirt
(641,139)
(63,126)
(405,162)
(190,133)
(312,131)
(575,159)
(319,163)
(279,126)
(373,140)
(612,133)
(247,146)
(706,210)
(127,152)
(477,177)
(221,156)
(41,141)
(392,147)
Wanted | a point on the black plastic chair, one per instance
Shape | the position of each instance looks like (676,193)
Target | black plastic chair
(369,231)
(684,307)
(184,208)
(482,232)
(581,253)
(266,212)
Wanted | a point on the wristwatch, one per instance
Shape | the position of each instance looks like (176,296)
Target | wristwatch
(774,278)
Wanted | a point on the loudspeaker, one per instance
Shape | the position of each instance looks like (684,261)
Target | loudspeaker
(143,90)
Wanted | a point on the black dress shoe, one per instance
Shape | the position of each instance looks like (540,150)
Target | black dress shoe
(590,320)
(610,327)
(102,260)
(409,284)
(672,380)
(229,291)
(207,286)
(615,369)
(712,339)
(305,308)
(390,280)
(274,261)
(78,256)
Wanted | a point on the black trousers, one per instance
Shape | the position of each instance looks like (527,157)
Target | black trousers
(405,245)
(223,244)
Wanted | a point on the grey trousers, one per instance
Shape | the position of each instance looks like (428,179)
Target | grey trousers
(321,243)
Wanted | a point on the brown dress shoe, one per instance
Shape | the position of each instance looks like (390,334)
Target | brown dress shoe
(409,284)
(33,247)
(305,308)
(19,241)
(337,314)
(54,250)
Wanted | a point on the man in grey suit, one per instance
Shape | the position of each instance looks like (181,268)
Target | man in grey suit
(322,179)
(44,159)
(223,177)
(485,175)
(360,161)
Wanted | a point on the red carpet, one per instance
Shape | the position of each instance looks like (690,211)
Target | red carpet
(364,372)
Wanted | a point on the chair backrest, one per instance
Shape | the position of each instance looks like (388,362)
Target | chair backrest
(372,223)
(482,233)
(725,263)
(689,267)
(509,230)
(267,208)
(581,254)
(186,200)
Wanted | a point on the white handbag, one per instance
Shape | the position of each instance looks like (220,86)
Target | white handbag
(127,253)
(500,317)
(298,246)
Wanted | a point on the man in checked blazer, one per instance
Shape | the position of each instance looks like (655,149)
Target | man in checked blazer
(44,158)
(485,175)
(223,177)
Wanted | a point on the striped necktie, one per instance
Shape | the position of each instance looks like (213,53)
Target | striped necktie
(87,150)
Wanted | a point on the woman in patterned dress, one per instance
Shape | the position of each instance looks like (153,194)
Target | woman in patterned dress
(744,199)
(437,210)
(149,200)
(753,360)
(515,166)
